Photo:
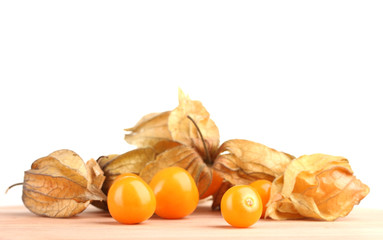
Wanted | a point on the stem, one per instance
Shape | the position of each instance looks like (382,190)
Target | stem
(203,140)
(13,185)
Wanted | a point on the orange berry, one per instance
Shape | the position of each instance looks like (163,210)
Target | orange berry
(216,182)
(176,193)
(263,188)
(131,200)
(123,175)
(241,206)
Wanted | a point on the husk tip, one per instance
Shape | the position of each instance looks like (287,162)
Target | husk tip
(13,185)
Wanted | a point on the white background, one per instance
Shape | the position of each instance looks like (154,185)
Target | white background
(299,76)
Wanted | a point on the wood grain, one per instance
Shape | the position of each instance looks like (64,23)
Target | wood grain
(19,223)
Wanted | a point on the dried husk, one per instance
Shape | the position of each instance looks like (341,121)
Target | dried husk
(130,162)
(175,126)
(316,186)
(243,161)
(282,208)
(103,160)
(183,130)
(176,141)
(61,185)
(149,130)
(164,145)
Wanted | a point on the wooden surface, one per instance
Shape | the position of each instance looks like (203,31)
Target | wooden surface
(19,223)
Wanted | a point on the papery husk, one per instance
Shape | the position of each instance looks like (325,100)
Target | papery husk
(176,126)
(164,145)
(103,160)
(149,130)
(243,161)
(61,185)
(130,162)
(282,208)
(316,186)
(183,130)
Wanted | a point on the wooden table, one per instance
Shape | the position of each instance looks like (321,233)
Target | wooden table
(19,223)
